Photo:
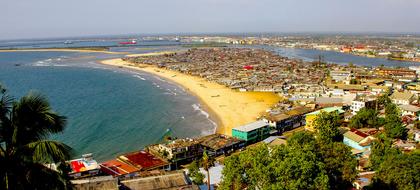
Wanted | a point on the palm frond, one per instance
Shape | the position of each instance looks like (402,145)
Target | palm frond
(34,118)
(49,151)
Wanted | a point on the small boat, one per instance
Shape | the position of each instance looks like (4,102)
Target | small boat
(68,42)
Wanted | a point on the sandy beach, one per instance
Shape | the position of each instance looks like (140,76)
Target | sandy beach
(61,50)
(228,107)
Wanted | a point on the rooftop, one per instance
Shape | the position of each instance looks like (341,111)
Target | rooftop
(116,168)
(142,160)
(411,108)
(175,180)
(401,95)
(328,110)
(355,135)
(218,141)
(251,126)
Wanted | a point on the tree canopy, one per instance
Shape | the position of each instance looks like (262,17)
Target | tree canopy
(365,118)
(305,163)
(327,125)
(25,150)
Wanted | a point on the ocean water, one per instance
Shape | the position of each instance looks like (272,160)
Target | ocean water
(110,110)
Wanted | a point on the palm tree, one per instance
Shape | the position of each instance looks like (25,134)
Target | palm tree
(26,154)
(207,162)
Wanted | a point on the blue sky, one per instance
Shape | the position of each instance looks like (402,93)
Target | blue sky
(57,18)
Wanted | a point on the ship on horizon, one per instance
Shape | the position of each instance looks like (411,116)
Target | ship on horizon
(128,42)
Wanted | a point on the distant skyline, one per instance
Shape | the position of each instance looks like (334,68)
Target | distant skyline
(51,18)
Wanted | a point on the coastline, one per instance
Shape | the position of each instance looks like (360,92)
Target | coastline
(227,107)
(60,50)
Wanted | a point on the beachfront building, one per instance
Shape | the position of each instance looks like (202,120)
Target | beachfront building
(84,167)
(217,144)
(310,117)
(252,132)
(288,120)
(144,161)
(357,140)
(117,168)
(178,151)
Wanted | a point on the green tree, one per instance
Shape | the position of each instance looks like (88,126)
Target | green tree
(195,174)
(340,165)
(394,127)
(327,126)
(25,151)
(365,118)
(381,149)
(399,172)
(304,163)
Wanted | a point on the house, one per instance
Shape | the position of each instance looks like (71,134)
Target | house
(339,76)
(288,120)
(118,168)
(143,160)
(84,167)
(417,136)
(404,145)
(178,151)
(409,110)
(402,98)
(252,132)
(275,140)
(363,179)
(310,117)
(217,144)
(362,102)
(357,139)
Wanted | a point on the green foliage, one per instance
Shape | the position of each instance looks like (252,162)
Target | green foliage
(399,172)
(381,149)
(25,150)
(301,138)
(305,163)
(365,118)
(327,125)
(195,174)
(393,125)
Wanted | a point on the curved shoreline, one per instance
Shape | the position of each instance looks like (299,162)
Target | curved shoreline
(229,108)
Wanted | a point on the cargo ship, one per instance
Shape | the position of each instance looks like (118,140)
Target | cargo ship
(128,42)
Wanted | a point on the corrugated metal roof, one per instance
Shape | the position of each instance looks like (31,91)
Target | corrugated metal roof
(252,126)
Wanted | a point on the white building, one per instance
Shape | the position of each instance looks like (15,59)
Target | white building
(361,102)
(339,76)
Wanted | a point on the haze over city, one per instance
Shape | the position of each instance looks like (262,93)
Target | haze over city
(50,18)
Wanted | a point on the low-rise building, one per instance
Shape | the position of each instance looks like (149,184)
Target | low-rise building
(362,102)
(252,132)
(288,120)
(218,144)
(178,151)
(84,167)
(143,160)
(310,117)
(357,140)
(118,168)
(409,110)
(402,98)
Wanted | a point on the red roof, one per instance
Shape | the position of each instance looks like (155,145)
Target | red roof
(143,160)
(116,168)
(360,133)
(248,67)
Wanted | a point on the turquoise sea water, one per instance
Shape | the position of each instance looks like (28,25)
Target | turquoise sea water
(110,110)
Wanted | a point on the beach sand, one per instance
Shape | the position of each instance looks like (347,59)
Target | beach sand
(60,50)
(230,107)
